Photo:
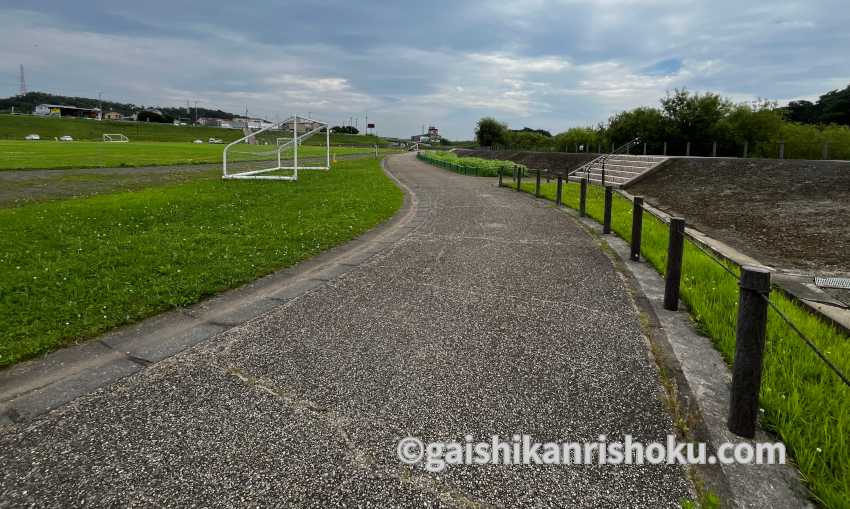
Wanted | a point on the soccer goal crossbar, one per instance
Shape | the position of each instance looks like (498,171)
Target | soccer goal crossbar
(115,138)
(315,126)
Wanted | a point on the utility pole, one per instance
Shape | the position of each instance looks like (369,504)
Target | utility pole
(195,120)
(367,122)
(23,89)
(100,105)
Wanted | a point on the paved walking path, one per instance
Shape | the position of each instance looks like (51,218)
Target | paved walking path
(495,314)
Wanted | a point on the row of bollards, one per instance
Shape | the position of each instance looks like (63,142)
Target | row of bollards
(751,327)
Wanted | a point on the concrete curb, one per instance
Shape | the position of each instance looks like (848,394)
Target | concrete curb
(34,387)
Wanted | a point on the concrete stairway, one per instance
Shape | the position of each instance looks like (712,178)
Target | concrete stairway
(620,169)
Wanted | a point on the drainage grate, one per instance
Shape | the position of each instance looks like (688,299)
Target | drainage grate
(833,282)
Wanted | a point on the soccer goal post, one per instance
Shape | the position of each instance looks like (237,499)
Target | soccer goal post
(115,138)
(295,124)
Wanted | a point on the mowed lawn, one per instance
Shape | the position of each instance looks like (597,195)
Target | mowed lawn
(19,155)
(72,269)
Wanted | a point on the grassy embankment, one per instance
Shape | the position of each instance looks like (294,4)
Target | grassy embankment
(803,402)
(16,127)
(17,155)
(74,268)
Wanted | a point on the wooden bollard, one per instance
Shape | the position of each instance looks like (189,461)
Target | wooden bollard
(673,275)
(582,201)
(559,186)
(749,351)
(637,228)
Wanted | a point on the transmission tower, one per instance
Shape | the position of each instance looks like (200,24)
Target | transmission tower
(23,90)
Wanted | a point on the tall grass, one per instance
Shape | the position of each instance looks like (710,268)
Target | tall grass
(802,401)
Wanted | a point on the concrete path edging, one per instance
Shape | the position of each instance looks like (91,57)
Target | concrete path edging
(36,386)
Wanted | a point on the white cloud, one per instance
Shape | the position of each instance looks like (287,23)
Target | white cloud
(542,63)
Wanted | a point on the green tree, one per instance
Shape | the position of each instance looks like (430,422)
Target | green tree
(695,117)
(756,123)
(835,107)
(527,140)
(648,124)
(490,131)
(589,137)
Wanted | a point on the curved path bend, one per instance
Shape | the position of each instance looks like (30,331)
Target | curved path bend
(493,314)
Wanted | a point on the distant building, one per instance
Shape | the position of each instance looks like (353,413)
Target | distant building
(112,115)
(210,122)
(432,136)
(251,123)
(61,110)
(304,125)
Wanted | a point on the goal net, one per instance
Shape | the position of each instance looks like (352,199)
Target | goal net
(115,138)
(240,160)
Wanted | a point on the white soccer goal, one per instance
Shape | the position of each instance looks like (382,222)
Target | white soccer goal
(115,138)
(312,127)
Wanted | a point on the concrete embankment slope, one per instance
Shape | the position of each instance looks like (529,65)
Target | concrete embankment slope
(792,214)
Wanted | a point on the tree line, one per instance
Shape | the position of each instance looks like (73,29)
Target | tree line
(700,124)
(26,104)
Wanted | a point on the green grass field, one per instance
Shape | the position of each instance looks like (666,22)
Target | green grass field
(803,402)
(75,268)
(16,155)
(16,127)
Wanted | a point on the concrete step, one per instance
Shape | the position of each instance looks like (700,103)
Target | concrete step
(619,169)
(616,173)
(631,166)
(636,158)
(598,182)
(608,178)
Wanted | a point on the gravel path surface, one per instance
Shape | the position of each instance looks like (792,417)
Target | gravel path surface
(496,314)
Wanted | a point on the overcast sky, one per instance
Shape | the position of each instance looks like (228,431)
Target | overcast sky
(544,64)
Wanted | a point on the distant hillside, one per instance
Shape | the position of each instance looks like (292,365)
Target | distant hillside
(27,103)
